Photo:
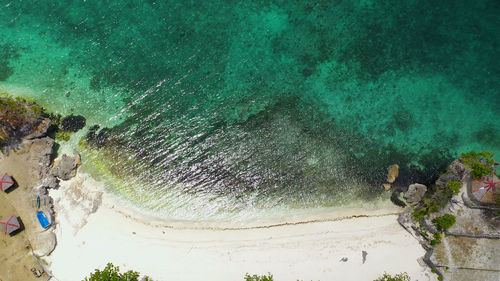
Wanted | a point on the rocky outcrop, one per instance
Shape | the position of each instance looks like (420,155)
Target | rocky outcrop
(18,119)
(46,243)
(39,152)
(50,182)
(406,221)
(73,123)
(65,167)
(415,193)
(456,171)
(392,173)
(40,130)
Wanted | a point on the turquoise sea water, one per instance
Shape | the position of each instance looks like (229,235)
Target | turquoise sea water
(220,106)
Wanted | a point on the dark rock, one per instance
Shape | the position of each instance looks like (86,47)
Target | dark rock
(343,259)
(363,255)
(73,123)
(50,182)
(395,199)
(65,168)
(40,190)
(98,139)
(92,134)
(415,193)
(40,130)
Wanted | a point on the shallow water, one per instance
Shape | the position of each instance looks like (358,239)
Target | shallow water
(221,106)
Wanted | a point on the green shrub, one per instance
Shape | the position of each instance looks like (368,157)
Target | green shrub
(112,273)
(433,205)
(398,277)
(454,186)
(63,135)
(256,277)
(419,214)
(430,206)
(437,236)
(444,222)
(481,164)
(436,240)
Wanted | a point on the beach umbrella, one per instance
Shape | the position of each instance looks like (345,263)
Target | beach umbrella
(10,225)
(6,182)
(484,190)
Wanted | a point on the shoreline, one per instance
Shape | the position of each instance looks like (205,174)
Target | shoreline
(322,242)
(296,217)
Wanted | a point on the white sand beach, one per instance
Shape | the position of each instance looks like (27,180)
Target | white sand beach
(92,232)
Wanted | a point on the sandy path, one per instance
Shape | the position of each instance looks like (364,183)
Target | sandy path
(311,251)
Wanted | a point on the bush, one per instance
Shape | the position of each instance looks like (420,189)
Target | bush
(481,164)
(444,222)
(63,135)
(454,186)
(398,277)
(112,273)
(256,277)
(419,214)
(436,240)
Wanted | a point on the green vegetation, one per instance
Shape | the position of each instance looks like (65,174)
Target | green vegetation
(54,118)
(13,106)
(438,196)
(398,277)
(431,205)
(256,277)
(454,186)
(112,273)
(481,164)
(437,239)
(62,135)
(444,222)
(18,105)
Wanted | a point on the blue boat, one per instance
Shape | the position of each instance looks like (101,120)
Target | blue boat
(38,202)
(44,222)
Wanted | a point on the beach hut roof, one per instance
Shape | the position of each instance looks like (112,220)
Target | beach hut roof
(6,182)
(485,189)
(10,225)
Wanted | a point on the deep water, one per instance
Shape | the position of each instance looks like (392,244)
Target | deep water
(228,106)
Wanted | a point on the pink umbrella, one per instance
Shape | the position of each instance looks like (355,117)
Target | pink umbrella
(6,182)
(484,190)
(10,225)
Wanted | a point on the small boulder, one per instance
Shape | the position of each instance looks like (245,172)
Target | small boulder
(65,168)
(392,173)
(43,243)
(415,193)
(387,186)
(98,139)
(50,181)
(40,130)
(73,123)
